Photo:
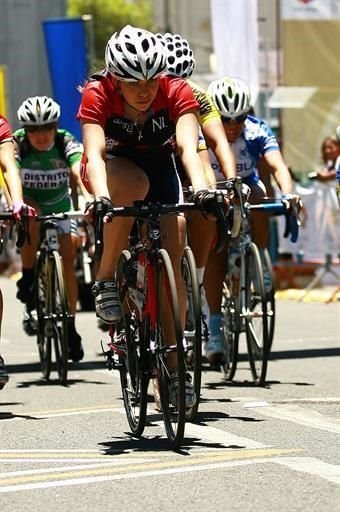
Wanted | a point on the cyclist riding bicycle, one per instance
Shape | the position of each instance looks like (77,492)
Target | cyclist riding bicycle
(139,129)
(48,158)
(252,143)
(14,189)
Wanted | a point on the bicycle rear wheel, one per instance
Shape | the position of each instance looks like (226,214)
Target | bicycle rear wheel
(169,356)
(230,329)
(193,330)
(132,334)
(60,316)
(270,296)
(255,315)
(43,306)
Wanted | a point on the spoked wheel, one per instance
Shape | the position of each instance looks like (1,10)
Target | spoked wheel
(170,357)
(230,329)
(59,316)
(132,336)
(193,328)
(44,334)
(270,296)
(255,316)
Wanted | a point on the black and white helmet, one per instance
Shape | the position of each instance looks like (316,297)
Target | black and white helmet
(231,96)
(38,110)
(135,54)
(180,57)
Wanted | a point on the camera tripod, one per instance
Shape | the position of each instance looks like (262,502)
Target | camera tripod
(326,268)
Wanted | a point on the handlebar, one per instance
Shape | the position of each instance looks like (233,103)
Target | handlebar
(140,210)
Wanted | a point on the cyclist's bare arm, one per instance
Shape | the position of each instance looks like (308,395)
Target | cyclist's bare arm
(208,171)
(78,184)
(94,149)
(10,172)
(279,170)
(186,139)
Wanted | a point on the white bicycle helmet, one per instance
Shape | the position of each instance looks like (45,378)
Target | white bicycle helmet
(180,57)
(38,110)
(231,96)
(135,54)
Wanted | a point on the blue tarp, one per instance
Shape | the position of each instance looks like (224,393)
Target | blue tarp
(65,40)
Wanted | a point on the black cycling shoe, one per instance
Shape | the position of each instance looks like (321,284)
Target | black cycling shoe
(25,289)
(75,351)
(30,322)
(3,373)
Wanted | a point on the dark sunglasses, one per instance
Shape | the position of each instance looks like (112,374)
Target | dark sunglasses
(238,119)
(40,128)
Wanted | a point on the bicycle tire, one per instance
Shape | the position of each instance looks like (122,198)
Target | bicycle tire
(193,335)
(134,334)
(270,295)
(256,320)
(44,340)
(230,329)
(60,317)
(173,415)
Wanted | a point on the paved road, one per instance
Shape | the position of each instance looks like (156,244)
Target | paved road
(273,448)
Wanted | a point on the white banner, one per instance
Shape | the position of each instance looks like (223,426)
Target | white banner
(310,9)
(235,39)
(320,234)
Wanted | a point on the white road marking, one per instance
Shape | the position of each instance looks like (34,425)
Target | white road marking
(223,437)
(262,403)
(307,465)
(297,415)
(312,466)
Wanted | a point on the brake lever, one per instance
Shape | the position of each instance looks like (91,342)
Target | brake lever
(98,230)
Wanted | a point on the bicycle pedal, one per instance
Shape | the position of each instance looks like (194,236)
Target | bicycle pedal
(118,348)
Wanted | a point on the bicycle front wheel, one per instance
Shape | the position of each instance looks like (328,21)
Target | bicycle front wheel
(43,307)
(231,326)
(193,328)
(132,335)
(59,316)
(255,315)
(170,358)
(270,296)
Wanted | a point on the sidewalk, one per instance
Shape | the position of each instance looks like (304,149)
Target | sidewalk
(325,294)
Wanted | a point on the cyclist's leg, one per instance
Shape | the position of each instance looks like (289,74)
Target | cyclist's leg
(68,250)
(213,283)
(27,253)
(127,183)
(259,225)
(259,222)
(201,234)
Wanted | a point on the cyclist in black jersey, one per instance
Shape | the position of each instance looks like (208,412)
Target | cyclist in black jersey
(139,128)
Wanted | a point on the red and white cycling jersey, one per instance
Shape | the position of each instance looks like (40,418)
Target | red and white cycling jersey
(102,103)
(5,130)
